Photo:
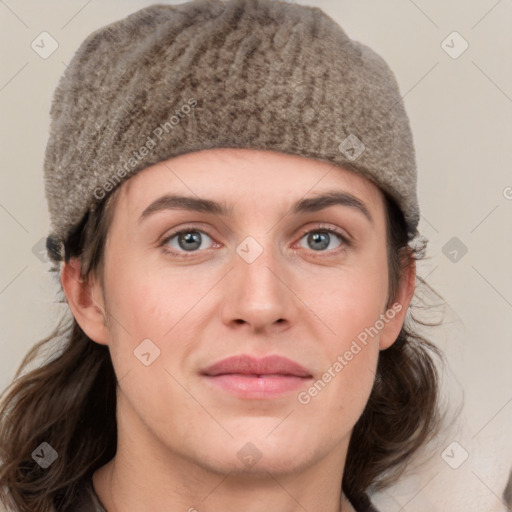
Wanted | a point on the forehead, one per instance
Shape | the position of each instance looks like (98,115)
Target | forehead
(249,178)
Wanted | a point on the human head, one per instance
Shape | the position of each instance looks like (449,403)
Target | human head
(403,371)
(371,109)
(262,98)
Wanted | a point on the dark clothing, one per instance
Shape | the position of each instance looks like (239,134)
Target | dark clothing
(88,501)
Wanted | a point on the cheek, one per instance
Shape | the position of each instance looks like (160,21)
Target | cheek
(350,303)
(350,300)
(147,303)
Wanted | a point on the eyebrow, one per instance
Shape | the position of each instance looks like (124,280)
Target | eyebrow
(331,198)
(198,204)
(177,202)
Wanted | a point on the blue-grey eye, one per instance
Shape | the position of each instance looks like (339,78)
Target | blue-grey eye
(320,240)
(189,240)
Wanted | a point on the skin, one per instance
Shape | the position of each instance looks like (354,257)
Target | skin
(178,438)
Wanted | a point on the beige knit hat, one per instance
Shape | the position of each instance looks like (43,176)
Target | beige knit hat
(263,74)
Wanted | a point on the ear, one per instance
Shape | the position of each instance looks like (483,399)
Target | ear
(396,313)
(85,299)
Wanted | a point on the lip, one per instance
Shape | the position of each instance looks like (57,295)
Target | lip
(246,364)
(258,378)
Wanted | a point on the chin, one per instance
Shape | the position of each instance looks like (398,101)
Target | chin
(257,465)
(260,455)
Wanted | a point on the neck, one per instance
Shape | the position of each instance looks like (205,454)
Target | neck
(119,493)
(149,475)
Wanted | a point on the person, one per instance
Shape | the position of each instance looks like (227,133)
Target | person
(507,492)
(234,224)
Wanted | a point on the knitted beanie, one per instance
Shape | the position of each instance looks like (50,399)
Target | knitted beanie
(263,74)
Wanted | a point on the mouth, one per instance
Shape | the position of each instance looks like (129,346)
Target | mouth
(251,378)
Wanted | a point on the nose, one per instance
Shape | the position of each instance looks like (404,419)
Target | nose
(259,294)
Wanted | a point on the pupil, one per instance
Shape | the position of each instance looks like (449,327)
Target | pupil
(317,237)
(190,237)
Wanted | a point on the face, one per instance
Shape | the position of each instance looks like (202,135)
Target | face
(272,271)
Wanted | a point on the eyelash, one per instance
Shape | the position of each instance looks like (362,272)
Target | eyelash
(320,228)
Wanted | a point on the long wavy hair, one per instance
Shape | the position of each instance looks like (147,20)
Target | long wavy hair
(69,400)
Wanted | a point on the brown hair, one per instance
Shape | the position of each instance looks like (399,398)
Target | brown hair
(69,401)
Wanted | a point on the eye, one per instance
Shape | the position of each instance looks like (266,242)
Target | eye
(322,238)
(192,240)
(185,240)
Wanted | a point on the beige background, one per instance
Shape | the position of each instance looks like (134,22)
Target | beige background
(461,115)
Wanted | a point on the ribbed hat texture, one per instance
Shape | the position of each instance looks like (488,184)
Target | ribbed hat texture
(262,74)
